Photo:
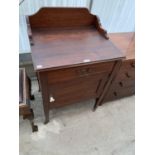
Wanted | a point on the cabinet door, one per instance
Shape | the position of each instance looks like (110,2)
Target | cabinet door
(76,90)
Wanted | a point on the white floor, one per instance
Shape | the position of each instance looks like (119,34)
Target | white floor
(76,130)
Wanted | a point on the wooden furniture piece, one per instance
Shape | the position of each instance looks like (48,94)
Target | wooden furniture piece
(124,83)
(24,98)
(72,56)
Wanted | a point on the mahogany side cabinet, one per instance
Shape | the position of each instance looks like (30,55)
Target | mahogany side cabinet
(124,83)
(72,56)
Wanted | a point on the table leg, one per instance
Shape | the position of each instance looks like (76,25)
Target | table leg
(30,117)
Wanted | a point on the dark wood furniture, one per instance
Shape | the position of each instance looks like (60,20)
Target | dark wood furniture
(24,98)
(124,83)
(72,56)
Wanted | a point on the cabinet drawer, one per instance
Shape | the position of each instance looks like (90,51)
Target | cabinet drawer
(128,65)
(76,72)
(123,84)
(119,93)
(125,75)
(127,71)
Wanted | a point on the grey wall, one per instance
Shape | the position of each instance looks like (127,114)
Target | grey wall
(116,15)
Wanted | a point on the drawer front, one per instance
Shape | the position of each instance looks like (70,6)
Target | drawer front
(123,84)
(128,65)
(125,75)
(126,72)
(76,90)
(77,72)
(114,94)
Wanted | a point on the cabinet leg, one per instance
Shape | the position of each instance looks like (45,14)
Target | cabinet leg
(31,119)
(46,117)
(39,90)
(96,104)
(34,127)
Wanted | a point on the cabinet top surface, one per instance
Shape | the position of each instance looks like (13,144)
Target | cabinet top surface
(56,48)
(71,45)
(125,42)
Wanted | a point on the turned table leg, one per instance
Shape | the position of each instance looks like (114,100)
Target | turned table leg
(34,127)
(30,117)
